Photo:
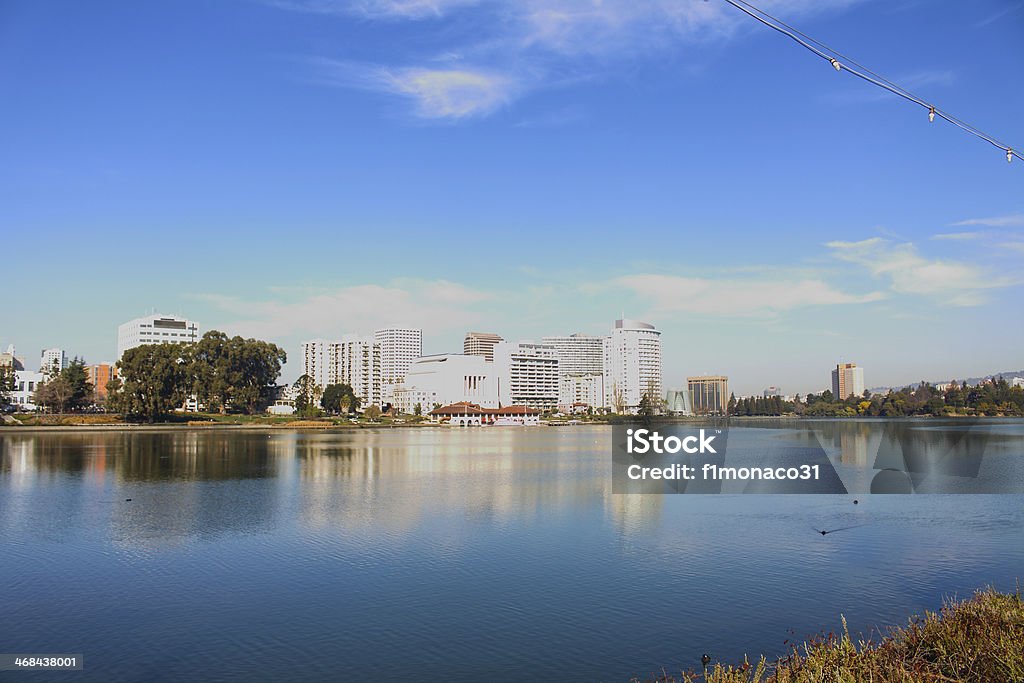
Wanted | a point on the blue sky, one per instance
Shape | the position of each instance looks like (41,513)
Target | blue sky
(298,168)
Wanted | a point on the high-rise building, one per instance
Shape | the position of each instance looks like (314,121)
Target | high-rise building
(772,392)
(580,370)
(709,394)
(480,344)
(847,380)
(99,375)
(155,329)
(314,361)
(399,347)
(356,362)
(632,365)
(527,374)
(52,359)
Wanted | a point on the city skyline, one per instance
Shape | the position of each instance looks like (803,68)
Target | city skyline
(310,170)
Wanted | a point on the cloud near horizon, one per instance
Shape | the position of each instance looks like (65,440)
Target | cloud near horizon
(737,297)
(908,272)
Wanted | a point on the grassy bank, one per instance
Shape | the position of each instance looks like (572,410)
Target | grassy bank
(980,639)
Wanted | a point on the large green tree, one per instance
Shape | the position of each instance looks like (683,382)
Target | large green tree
(234,372)
(155,379)
(339,398)
(8,379)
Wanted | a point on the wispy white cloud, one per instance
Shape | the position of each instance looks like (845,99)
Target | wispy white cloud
(1013,220)
(442,93)
(374,9)
(436,304)
(908,272)
(735,297)
(958,236)
(554,41)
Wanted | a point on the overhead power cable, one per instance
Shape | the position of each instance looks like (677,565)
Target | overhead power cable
(849,65)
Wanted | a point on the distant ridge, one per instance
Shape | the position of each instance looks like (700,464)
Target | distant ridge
(971,381)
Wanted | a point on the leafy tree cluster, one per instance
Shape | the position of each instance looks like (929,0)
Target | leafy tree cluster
(65,389)
(222,373)
(992,398)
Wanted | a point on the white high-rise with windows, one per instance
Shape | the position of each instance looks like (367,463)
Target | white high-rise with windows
(356,362)
(155,329)
(52,359)
(527,374)
(632,365)
(399,347)
(314,361)
(580,370)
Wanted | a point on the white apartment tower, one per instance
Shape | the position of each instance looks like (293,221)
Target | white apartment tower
(356,362)
(632,365)
(527,374)
(314,361)
(399,347)
(580,370)
(155,329)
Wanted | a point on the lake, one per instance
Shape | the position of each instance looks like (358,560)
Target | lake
(496,554)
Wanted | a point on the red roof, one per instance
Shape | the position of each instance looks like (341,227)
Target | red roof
(465,408)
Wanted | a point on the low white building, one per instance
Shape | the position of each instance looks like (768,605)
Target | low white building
(447,378)
(25,384)
(1017,382)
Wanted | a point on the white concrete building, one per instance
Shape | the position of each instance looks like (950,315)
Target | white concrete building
(576,393)
(632,365)
(580,360)
(155,329)
(25,384)
(1017,382)
(314,361)
(356,362)
(399,347)
(445,379)
(51,359)
(527,374)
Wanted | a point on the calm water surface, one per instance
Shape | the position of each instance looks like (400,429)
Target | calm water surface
(457,555)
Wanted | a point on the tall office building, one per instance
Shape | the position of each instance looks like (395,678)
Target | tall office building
(480,344)
(580,370)
(632,365)
(847,380)
(709,394)
(356,362)
(399,347)
(52,359)
(155,329)
(527,374)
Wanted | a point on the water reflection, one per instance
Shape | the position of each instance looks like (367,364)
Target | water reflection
(463,554)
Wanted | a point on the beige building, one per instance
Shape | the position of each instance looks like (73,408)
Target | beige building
(847,380)
(709,394)
(481,344)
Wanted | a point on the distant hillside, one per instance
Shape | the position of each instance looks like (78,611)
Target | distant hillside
(1007,375)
